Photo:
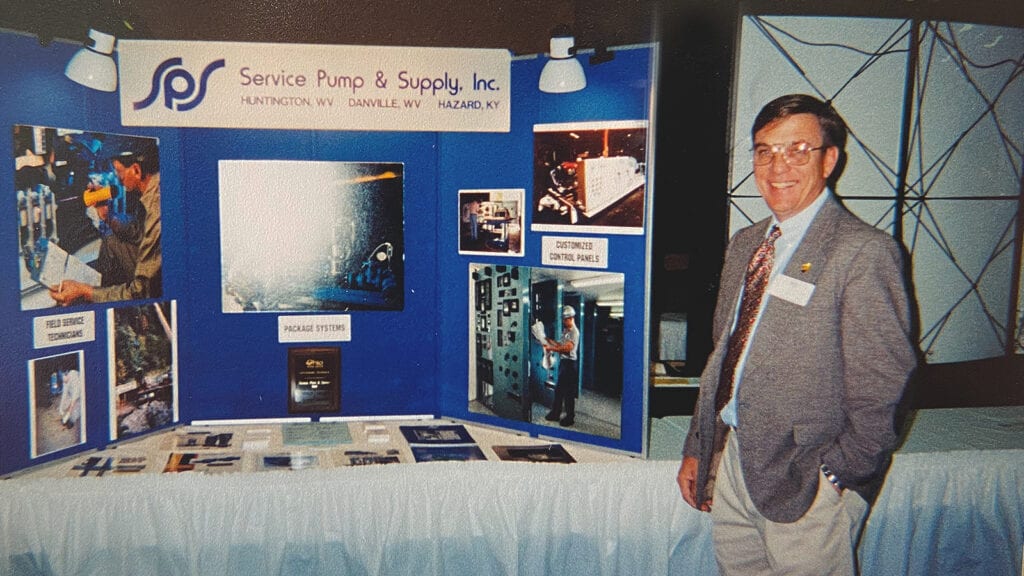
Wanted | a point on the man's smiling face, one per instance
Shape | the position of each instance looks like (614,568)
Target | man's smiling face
(788,189)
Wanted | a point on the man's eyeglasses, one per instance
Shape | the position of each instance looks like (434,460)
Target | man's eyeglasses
(794,153)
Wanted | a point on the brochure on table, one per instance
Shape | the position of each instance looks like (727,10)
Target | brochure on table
(344,231)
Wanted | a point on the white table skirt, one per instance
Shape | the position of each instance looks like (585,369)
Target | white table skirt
(429,518)
(953,503)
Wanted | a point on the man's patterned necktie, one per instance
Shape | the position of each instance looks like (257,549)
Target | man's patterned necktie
(758,271)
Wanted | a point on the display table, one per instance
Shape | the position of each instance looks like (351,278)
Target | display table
(605,514)
(953,503)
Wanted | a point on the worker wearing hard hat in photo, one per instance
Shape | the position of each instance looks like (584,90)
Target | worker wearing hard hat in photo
(120,233)
(139,173)
(568,369)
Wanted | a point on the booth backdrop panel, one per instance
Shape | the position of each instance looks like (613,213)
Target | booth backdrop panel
(236,367)
(409,361)
(34,91)
(616,90)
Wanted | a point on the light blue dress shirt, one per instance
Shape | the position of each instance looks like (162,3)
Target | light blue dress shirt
(793,231)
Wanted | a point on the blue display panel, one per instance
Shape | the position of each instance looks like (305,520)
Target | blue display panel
(486,377)
(237,361)
(411,354)
(60,135)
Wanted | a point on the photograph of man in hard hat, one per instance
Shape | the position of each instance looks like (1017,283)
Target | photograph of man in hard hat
(568,373)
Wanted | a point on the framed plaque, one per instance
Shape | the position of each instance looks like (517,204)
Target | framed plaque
(314,379)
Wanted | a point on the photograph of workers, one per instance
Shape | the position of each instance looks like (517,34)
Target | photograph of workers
(590,177)
(491,222)
(88,215)
(310,235)
(57,399)
(545,346)
(143,368)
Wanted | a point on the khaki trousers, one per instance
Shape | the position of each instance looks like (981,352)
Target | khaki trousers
(823,541)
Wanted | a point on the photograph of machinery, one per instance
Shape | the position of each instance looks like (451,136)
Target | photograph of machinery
(57,402)
(590,174)
(491,222)
(76,219)
(311,235)
(144,371)
(518,316)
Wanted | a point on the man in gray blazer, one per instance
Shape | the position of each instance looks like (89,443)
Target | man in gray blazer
(795,421)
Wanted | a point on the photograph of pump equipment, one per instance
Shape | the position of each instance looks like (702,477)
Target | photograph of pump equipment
(590,176)
(519,366)
(144,370)
(491,222)
(57,402)
(311,235)
(76,219)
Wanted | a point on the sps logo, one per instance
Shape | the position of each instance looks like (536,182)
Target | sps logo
(180,98)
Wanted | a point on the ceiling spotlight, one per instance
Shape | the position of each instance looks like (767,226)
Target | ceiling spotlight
(563,72)
(93,66)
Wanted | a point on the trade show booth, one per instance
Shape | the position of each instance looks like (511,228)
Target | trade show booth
(329,231)
(245,278)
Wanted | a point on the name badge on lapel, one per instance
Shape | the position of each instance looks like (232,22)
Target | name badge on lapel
(791,290)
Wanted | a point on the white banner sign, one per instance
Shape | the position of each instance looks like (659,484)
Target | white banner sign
(326,328)
(64,329)
(576,252)
(313,87)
